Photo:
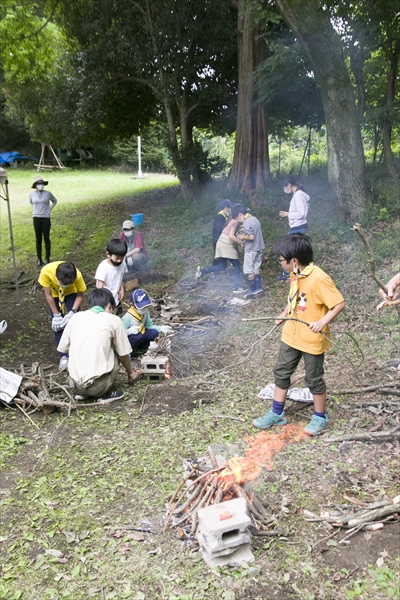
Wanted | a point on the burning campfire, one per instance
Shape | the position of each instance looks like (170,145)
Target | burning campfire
(212,480)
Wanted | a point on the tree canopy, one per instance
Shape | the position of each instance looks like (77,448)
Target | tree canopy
(77,71)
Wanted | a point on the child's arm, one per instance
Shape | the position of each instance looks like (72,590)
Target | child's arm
(121,292)
(78,301)
(317,326)
(282,316)
(50,300)
(246,238)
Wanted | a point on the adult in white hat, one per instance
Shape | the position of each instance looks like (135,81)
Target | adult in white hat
(136,257)
(43,203)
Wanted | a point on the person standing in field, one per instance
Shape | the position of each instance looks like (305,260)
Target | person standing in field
(297,213)
(43,203)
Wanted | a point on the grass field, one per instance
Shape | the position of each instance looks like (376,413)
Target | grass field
(76,191)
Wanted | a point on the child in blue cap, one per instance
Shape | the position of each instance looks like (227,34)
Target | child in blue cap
(139,327)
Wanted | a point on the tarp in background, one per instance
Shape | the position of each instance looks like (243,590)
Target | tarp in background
(11,157)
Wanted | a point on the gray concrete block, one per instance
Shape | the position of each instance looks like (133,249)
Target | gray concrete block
(235,559)
(218,543)
(154,365)
(218,519)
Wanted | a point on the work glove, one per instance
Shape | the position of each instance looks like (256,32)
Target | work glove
(133,330)
(56,322)
(67,318)
(165,329)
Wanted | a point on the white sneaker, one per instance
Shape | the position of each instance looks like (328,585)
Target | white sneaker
(198,273)
(3,326)
(240,290)
(63,363)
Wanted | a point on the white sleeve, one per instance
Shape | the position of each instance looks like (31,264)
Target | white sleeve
(101,272)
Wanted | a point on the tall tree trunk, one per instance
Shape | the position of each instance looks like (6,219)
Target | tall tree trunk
(250,169)
(182,172)
(346,165)
(390,96)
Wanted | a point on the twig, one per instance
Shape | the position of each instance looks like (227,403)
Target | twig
(370,388)
(212,457)
(187,489)
(51,438)
(371,260)
(325,539)
(26,415)
(365,437)
(63,388)
(226,417)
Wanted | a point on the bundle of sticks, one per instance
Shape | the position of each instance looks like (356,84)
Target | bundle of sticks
(370,515)
(39,391)
(207,483)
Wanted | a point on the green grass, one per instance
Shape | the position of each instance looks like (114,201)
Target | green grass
(84,213)
(112,466)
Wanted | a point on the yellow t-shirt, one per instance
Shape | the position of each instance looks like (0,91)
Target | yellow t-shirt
(48,279)
(317,295)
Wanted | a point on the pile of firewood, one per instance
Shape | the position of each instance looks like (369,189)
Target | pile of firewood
(40,391)
(207,483)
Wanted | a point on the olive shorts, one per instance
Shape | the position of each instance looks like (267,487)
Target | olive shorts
(287,361)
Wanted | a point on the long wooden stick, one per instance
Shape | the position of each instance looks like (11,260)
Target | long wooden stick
(371,259)
(365,437)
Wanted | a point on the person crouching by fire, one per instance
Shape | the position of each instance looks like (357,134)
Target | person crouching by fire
(139,327)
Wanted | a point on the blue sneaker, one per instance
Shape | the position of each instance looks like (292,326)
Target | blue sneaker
(317,425)
(270,419)
(283,277)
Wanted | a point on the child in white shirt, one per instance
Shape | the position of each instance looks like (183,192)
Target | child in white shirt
(110,272)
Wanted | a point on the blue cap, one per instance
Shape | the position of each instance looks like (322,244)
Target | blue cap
(225,204)
(140,298)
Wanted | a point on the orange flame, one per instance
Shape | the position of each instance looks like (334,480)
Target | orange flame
(262,447)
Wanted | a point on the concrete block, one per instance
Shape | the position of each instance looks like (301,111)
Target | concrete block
(154,364)
(217,519)
(219,543)
(235,559)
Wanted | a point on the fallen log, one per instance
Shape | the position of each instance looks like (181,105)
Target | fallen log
(373,515)
(392,434)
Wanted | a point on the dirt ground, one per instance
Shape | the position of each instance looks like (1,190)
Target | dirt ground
(218,367)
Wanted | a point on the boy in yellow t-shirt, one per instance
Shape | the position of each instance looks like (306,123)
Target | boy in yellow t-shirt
(63,287)
(313,298)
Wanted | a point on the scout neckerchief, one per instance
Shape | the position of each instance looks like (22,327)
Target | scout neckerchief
(139,318)
(97,309)
(61,300)
(221,212)
(294,288)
